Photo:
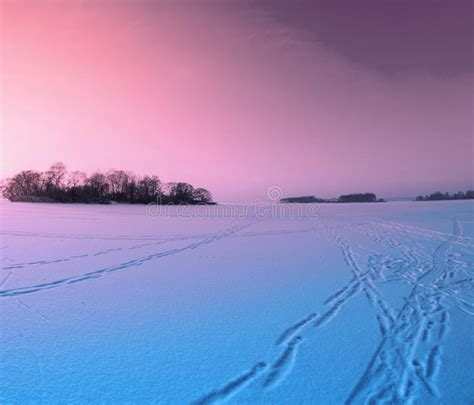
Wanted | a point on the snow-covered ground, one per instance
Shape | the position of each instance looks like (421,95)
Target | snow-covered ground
(118,304)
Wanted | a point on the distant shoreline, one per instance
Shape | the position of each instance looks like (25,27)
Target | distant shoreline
(46,200)
(372,198)
(439,196)
(343,199)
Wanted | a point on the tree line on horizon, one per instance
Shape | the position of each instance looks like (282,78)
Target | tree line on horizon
(439,196)
(59,185)
(346,198)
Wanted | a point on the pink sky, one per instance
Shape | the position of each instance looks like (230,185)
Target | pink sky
(232,98)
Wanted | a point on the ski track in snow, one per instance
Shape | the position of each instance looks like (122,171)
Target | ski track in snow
(233,386)
(156,241)
(121,266)
(406,362)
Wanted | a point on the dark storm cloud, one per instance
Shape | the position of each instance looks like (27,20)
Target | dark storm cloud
(393,37)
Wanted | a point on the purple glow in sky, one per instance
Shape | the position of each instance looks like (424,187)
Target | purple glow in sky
(317,97)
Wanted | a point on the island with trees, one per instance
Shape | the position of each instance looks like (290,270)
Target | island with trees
(59,185)
(347,198)
(439,196)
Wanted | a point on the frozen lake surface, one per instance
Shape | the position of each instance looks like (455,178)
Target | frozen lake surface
(118,304)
